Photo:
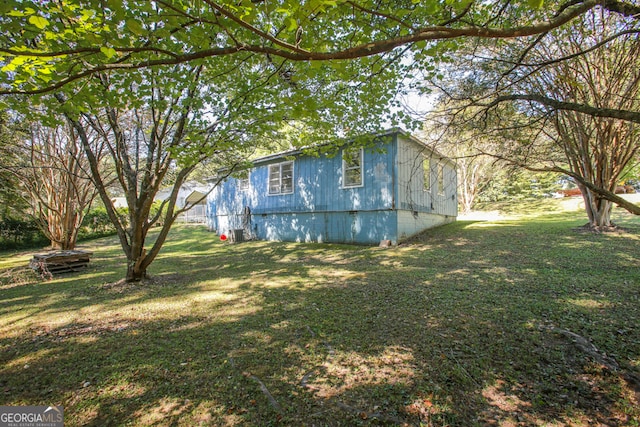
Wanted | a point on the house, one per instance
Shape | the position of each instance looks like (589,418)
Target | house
(190,193)
(391,190)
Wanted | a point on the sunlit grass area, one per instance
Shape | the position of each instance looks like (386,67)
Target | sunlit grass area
(464,325)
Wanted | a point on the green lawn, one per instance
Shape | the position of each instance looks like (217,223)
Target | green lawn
(465,325)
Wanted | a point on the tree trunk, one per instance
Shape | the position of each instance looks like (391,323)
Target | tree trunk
(136,271)
(64,244)
(598,209)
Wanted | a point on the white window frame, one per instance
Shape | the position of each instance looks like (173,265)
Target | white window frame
(244,183)
(440,179)
(278,166)
(426,173)
(346,168)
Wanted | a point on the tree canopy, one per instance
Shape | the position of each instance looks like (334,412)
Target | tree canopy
(46,45)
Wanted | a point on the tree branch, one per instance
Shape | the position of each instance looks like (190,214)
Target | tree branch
(294,53)
(626,115)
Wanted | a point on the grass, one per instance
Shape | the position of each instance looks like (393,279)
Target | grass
(454,328)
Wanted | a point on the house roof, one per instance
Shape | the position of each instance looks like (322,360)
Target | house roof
(196,197)
(299,151)
(187,187)
(388,132)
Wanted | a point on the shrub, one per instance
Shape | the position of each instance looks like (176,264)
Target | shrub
(18,233)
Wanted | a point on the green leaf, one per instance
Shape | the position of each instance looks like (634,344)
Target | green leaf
(135,27)
(535,4)
(293,25)
(38,21)
(421,44)
(9,67)
(109,52)
(27,11)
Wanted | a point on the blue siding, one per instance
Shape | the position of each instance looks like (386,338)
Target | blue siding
(319,209)
(318,186)
(338,227)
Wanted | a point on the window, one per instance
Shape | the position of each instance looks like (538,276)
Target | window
(243,183)
(352,167)
(281,178)
(440,179)
(426,173)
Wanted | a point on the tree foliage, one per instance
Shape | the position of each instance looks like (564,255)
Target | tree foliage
(46,45)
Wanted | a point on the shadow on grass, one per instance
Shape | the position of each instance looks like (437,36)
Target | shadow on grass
(445,330)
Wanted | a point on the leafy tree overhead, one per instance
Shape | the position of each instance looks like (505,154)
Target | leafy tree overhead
(159,124)
(45,45)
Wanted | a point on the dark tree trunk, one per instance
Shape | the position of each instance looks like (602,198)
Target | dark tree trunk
(136,269)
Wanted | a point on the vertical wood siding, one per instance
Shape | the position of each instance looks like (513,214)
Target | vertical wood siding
(412,195)
(420,209)
(391,204)
(319,209)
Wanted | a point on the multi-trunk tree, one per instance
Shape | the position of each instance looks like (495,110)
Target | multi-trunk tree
(595,70)
(151,126)
(51,175)
(596,149)
(159,124)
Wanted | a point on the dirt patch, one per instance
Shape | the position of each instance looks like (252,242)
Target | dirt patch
(588,228)
(122,285)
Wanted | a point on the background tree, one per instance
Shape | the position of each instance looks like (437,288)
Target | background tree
(482,176)
(11,204)
(17,228)
(592,149)
(50,175)
(460,142)
(597,149)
